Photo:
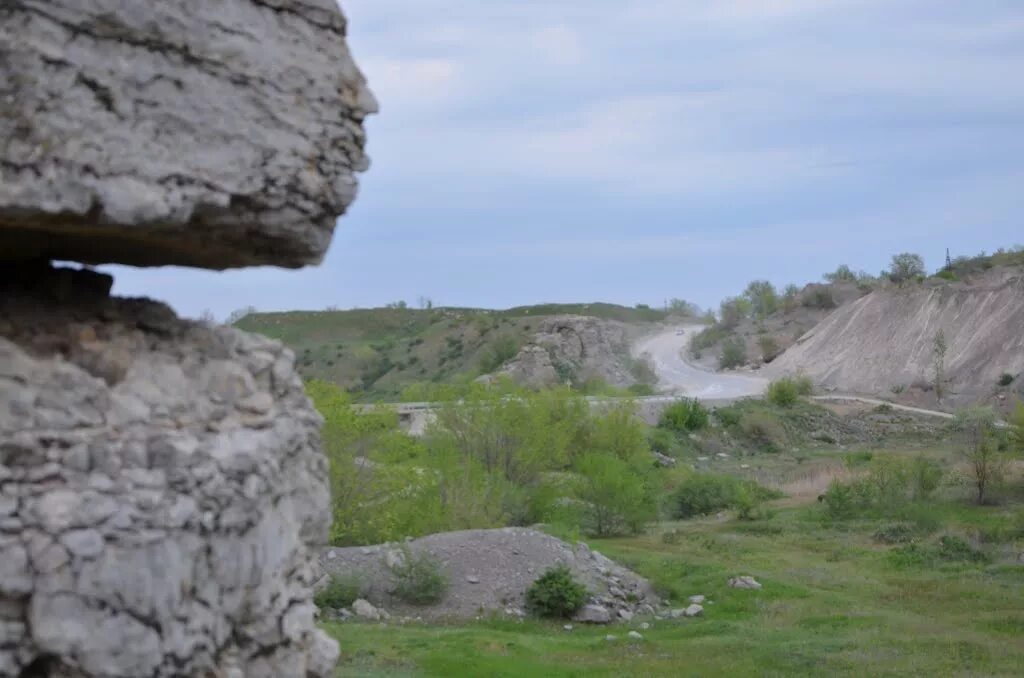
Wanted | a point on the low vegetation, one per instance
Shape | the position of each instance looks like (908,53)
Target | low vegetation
(419,578)
(556,594)
(341,591)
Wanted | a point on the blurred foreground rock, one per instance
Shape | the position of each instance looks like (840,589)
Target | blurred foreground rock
(162,492)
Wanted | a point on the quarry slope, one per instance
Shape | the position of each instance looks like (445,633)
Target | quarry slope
(884,343)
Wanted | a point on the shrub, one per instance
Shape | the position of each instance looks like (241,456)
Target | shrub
(895,533)
(418,578)
(925,474)
(661,440)
(782,393)
(1005,379)
(498,352)
(769,348)
(704,493)
(556,594)
(819,297)
(763,430)
(840,501)
(684,416)
(728,416)
(954,549)
(734,354)
(340,592)
(618,498)
(906,267)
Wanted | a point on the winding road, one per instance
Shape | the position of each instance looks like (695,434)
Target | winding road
(665,352)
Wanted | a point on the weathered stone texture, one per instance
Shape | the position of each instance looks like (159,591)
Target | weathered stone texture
(210,133)
(161,491)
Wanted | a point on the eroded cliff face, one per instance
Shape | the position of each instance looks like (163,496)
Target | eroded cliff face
(574,348)
(162,491)
(162,488)
(195,132)
(884,342)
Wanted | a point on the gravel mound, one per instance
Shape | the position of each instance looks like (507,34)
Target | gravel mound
(489,572)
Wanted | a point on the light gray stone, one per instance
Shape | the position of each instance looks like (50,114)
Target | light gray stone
(693,610)
(119,573)
(365,610)
(697,599)
(177,132)
(635,635)
(744,582)
(593,614)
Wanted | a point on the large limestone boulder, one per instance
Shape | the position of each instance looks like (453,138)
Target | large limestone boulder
(161,491)
(210,133)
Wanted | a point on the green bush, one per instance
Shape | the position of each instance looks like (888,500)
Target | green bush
(618,498)
(925,477)
(684,416)
(1005,379)
(498,352)
(734,354)
(955,550)
(340,592)
(895,533)
(661,441)
(769,348)
(419,579)
(782,393)
(763,430)
(729,416)
(556,594)
(705,493)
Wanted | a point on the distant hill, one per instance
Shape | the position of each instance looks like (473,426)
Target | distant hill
(884,343)
(377,353)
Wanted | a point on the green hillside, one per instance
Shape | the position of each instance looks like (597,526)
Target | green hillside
(376,353)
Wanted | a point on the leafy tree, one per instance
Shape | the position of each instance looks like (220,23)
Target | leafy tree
(769,348)
(683,307)
(617,496)
(763,298)
(734,354)
(842,274)
(905,267)
(400,305)
(977,432)
(782,393)
(790,297)
(733,311)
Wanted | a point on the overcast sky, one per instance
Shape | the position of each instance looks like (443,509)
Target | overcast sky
(583,150)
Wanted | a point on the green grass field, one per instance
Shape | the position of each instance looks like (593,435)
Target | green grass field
(834,602)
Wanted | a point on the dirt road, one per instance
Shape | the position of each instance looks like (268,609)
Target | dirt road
(665,351)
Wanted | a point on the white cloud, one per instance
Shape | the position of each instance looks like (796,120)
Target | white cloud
(559,45)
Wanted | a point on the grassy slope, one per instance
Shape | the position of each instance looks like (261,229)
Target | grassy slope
(833,603)
(375,353)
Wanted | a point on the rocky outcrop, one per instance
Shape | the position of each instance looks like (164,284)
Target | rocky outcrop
(162,488)
(574,348)
(162,491)
(212,134)
(884,342)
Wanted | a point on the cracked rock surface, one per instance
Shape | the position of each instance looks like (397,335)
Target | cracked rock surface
(208,133)
(162,492)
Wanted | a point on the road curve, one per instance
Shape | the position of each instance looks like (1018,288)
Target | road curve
(665,352)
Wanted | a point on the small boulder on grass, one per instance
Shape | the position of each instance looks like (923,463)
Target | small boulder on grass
(744,582)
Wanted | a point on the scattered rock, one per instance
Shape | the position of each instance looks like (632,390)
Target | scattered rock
(567,627)
(697,599)
(693,611)
(365,610)
(593,614)
(663,460)
(634,635)
(645,626)
(625,615)
(610,638)
(473,579)
(744,582)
